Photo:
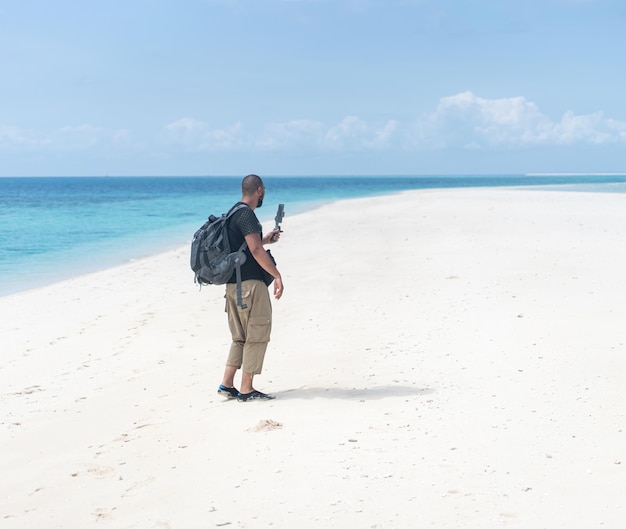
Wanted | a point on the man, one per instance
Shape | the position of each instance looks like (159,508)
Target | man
(250,327)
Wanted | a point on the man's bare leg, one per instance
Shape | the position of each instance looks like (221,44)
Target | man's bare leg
(246,382)
(229,376)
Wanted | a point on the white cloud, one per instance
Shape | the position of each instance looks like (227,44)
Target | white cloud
(195,135)
(295,133)
(465,120)
(69,138)
(187,126)
(461,121)
(351,133)
(87,136)
(228,138)
(16,138)
(384,136)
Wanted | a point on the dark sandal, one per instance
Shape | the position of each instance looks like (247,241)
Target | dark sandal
(229,393)
(254,395)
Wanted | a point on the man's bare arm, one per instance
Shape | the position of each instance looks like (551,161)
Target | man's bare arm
(260,255)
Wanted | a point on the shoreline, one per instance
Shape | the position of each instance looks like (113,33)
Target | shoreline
(118,254)
(28,269)
(448,357)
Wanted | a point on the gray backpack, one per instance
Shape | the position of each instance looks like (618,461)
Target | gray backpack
(212,259)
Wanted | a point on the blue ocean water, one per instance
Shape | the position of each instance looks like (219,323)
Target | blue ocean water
(52,228)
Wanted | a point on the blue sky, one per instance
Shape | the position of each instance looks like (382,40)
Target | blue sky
(308,87)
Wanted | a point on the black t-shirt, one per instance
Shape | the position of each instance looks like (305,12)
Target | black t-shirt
(242,223)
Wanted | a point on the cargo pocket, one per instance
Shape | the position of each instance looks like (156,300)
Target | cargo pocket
(231,298)
(259,329)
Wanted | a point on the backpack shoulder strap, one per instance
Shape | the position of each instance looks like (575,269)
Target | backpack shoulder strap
(243,246)
(236,208)
(230,213)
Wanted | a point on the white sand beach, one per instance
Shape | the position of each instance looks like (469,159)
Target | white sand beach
(441,358)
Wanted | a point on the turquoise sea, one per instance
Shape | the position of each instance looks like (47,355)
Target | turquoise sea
(52,228)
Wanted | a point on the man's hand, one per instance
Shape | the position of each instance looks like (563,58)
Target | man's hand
(255,245)
(278,287)
(272,237)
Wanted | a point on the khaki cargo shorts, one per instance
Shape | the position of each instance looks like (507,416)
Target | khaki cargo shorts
(251,327)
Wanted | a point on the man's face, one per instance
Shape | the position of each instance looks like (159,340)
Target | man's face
(261,195)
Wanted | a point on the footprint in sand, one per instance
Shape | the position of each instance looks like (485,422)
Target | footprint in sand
(101,472)
(103,514)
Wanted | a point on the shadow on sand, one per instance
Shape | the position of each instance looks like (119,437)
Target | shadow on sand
(382,392)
